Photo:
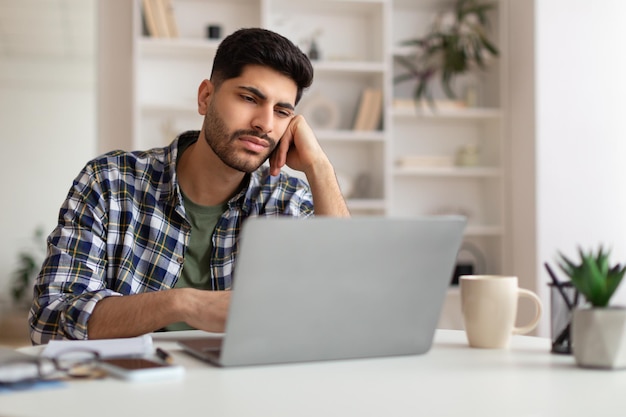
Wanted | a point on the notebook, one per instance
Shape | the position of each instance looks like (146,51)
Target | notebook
(107,348)
(331,288)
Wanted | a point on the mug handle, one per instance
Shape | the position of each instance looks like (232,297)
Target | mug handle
(522,293)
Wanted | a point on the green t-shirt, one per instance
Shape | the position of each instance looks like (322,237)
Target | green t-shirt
(196,271)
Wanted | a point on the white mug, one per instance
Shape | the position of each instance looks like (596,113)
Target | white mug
(489,307)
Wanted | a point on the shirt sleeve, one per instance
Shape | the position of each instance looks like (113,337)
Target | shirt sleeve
(292,197)
(302,202)
(72,277)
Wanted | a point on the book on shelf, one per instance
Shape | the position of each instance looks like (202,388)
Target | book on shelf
(160,18)
(170,17)
(369,111)
(150,18)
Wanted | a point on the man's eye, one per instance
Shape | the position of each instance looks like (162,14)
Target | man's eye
(284,113)
(249,99)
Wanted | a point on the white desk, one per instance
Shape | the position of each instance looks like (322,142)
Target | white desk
(450,380)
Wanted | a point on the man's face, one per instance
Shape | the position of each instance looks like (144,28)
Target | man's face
(246,116)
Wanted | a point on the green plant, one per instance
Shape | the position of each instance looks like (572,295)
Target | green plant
(595,278)
(457,43)
(29,262)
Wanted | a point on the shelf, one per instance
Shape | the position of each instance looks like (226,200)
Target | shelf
(461,113)
(168,47)
(344,30)
(349,66)
(350,135)
(404,50)
(368,7)
(358,42)
(473,172)
(421,4)
(165,47)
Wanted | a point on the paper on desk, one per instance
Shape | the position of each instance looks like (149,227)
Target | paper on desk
(107,348)
(30,385)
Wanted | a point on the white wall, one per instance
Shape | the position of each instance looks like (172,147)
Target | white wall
(47,133)
(581,133)
(115,74)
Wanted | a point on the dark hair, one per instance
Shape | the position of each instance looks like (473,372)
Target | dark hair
(256,46)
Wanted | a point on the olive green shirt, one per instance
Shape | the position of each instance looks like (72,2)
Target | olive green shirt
(196,270)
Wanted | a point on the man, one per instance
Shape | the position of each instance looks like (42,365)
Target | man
(148,240)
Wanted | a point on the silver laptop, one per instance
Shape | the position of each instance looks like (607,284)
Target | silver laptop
(330,288)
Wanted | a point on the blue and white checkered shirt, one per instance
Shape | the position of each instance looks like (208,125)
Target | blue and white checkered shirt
(123,230)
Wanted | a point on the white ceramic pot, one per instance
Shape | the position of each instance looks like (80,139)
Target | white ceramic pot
(599,337)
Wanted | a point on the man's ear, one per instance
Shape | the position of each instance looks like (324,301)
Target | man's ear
(205,90)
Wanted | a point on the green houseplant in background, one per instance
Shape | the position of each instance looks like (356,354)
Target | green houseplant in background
(13,316)
(598,329)
(29,263)
(457,43)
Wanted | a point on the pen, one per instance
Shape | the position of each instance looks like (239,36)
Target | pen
(164,356)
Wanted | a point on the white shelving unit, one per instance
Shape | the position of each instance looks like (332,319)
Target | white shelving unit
(167,73)
(477,191)
(357,40)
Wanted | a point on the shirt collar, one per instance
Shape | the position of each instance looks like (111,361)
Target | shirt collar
(171,192)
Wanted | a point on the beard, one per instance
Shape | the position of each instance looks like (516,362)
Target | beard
(221,142)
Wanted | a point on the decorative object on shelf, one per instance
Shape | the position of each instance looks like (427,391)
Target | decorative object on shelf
(149,18)
(321,112)
(159,18)
(473,264)
(422,161)
(598,330)
(214,31)
(369,111)
(467,156)
(167,9)
(314,51)
(471,95)
(457,44)
(29,263)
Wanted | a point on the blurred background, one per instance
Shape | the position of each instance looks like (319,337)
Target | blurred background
(47,118)
(564,108)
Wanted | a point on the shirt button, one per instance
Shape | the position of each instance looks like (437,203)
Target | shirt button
(180,260)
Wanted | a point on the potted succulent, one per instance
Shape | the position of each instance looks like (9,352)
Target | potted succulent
(457,43)
(598,329)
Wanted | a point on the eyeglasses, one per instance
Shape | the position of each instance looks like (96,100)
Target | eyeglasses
(68,364)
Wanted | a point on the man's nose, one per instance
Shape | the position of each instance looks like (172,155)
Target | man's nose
(264,120)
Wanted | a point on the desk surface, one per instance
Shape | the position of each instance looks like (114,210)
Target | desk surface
(450,380)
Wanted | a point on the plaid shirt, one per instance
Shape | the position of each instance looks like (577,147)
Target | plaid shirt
(123,230)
